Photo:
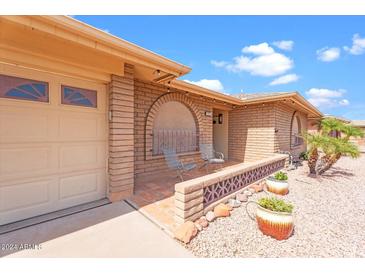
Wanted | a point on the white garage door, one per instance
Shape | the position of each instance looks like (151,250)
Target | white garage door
(53,143)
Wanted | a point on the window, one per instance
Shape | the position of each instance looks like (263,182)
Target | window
(23,89)
(296,139)
(174,127)
(78,96)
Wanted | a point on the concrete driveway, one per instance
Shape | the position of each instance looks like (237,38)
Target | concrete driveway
(113,230)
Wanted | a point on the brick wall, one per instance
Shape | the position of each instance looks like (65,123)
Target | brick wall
(251,132)
(121,135)
(148,96)
(252,129)
(283,119)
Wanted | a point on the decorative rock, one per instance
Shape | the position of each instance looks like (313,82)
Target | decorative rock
(241,197)
(252,190)
(234,203)
(203,221)
(186,232)
(258,187)
(222,210)
(210,216)
(198,225)
(247,193)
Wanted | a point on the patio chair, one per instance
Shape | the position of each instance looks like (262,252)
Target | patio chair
(174,163)
(210,156)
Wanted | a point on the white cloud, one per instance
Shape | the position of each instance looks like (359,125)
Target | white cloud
(286,79)
(219,64)
(284,44)
(259,49)
(358,45)
(209,84)
(265,62)
(325,93)
(327,98)
(264,65)
(344,102)
(328,54)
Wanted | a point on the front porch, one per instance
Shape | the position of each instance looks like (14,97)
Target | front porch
(154,195)
(168,202)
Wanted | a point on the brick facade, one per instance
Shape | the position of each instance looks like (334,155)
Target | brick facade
(147,98)
(258,131)
(251,132)
(254,131)
(121,135)
(284,115)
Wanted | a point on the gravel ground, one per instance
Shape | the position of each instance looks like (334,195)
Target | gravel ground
(329,219)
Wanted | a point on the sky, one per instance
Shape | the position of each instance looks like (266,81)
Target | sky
(321,57)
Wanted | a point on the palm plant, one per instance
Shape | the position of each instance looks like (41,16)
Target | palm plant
(330,124)
(332,148)
(314,142)
(351,131)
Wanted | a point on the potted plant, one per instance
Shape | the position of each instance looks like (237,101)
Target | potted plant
(274,217)
(278,183)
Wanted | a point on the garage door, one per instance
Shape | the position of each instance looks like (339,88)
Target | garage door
(53,143)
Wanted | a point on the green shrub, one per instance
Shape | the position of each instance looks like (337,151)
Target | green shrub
(275,204)
(281,176)
(304,155)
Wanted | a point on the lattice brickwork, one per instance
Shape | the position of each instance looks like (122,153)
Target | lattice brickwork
(217,191)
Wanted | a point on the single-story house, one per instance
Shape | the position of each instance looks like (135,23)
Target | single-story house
(83,115)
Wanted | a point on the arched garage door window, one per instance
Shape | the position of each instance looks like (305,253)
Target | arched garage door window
(174,127)
(296,139)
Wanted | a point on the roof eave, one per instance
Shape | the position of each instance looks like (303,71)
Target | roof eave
(180,84)
(65,26)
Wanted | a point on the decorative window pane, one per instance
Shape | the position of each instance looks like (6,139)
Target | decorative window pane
(78,97)
(23,89)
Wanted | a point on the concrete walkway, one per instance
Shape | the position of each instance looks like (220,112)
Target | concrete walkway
(113,230)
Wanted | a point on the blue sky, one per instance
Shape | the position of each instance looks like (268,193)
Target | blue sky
(322,57)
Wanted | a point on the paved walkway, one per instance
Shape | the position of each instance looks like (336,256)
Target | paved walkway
(114,230)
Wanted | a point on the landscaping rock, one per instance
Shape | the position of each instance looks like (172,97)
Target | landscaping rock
(222,210)
(198,225)
(186,232)
(203,221)
(241,197)
(210,216)
(234,203)
(321,231)
(258,187)
(252,190)
(247,193)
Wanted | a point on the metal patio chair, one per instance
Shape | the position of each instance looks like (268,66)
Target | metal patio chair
(174,163)
(210,156)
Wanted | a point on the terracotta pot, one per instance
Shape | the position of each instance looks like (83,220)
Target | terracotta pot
(277,186)
(279,225)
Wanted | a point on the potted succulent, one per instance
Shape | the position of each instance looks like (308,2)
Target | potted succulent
(278,183)
(274,217)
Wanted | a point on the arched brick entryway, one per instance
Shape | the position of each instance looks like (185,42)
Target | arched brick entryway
(152,112)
